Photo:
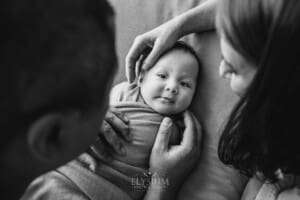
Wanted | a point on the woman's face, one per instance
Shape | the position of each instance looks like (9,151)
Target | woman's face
(235,68)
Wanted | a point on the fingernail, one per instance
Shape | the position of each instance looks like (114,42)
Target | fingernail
(167,122)
(126,119)
(145,66)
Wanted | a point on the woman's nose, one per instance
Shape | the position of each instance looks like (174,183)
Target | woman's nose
(224,71)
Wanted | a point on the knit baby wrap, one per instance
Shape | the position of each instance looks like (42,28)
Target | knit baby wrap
(143,126)
(129,172)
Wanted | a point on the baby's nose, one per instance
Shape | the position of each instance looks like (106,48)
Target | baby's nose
(172,87)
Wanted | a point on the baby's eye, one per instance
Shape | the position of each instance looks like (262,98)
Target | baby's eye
(162,76)
(185,84)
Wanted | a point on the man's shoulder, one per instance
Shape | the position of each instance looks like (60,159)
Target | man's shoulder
(53,186)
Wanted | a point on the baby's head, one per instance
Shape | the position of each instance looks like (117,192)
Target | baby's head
(169,86)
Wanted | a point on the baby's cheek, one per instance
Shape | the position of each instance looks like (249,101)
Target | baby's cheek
(186,100)
(190,95)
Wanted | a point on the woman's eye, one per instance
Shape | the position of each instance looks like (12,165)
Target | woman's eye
(162,76)
(229,67)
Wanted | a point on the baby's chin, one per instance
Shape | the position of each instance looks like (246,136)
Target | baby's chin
(167,111)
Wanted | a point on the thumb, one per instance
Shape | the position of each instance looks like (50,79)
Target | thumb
(163,136)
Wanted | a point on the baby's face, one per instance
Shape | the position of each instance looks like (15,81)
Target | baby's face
(168,87)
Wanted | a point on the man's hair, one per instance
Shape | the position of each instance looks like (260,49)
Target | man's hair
(262,132)
(56,56)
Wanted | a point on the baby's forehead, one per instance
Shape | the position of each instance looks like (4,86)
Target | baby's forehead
(174,56)
(180,53)
(177,51)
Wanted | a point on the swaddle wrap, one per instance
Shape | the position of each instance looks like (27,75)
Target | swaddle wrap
(143,126)
(129,172)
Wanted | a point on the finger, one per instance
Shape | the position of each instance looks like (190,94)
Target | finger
(155,53)
(101,150)
(189,134)
(88,160)
(198,129)
(132,57)
(139,64)
(112,138)
(119,114)
(116,119)
(163,136)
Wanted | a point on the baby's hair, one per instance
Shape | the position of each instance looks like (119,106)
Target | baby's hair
(180,45)
(186,47)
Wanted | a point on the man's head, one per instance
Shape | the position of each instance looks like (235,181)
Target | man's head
(57,61)
(169,86)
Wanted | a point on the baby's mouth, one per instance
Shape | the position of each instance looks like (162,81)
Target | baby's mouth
(167,100)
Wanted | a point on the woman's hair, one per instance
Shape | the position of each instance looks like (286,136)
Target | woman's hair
(262,133)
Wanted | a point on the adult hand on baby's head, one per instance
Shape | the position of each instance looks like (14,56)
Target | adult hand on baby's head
(158,40)
(174,163)
(114,131)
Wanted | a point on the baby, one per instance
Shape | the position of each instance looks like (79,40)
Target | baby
(167,89)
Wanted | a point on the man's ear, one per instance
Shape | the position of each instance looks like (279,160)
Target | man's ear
(49,137)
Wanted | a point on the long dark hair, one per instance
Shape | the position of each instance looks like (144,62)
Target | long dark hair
(262,133)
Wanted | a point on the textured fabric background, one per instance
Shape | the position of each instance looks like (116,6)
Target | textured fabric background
(211,180)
